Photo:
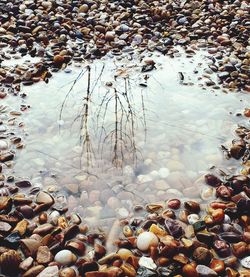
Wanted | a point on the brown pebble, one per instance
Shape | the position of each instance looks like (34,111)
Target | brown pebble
(192,206)
(217,265)
(34,271)
(58,59)
(9,262)
(189,270)
(67,272)
(202,255)
(239,249)
(174,204)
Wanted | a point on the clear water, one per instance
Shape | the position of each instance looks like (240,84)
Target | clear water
(127,143)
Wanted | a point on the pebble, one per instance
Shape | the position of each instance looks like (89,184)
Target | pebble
(145,240)
(3,145)
(202,255)
(67,272)
(174,204)
(193,218)
(245,262)
(205,271)
(147,262)
(44,255)
(65,257)
(51,271)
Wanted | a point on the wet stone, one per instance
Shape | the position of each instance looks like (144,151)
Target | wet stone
(174,228)
(65,257)
(44,255)
(202,255)
(205,271)
(199,225)
(245,262)
(51,271)
(145,240)
(145,272)
(6,157)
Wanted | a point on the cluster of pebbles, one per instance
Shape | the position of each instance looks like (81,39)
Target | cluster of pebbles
(38,237)
(59,31)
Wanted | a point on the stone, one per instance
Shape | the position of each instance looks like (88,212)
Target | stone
(65,257)
(3,145)
(6,157)
(43,229)
(44,255)
(205,271)
(44,198)
(192,206)
(5,227)
(145,240)
(147,262)
(23,184)
(174,204)
(245,262)
(192,218)
(67,272)
(83,8)
(189,270)
(174,228)
(26,264)
(34,271)
(51,271)
(110,36)
(217,265)
(202,255)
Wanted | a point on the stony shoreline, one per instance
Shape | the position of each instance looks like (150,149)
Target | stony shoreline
(172,238)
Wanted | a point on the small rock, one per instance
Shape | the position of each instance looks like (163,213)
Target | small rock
(67,272)
(44,255)
(202,255)
(6,157)
(110,36)
(51,271)
(147,262)
(205,271)
(245,262)
(26,264)
(44,198)
(43,229)
(5,227)
(174,204)
(145,240)
(193,218)
(3,145)
(65,257)
(34,271)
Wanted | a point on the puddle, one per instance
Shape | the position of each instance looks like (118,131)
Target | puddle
(130,137)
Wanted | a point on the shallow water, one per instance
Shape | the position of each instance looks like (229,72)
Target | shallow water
(145,138)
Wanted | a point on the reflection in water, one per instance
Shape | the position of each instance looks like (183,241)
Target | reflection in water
(125,137)
(120,133)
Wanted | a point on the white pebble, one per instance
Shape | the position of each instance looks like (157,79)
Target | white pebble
(193,218)
(146,240)
(54,217)
(147,262)
(3,145)
(65,257)
(245,262)
(164,172)
(144,178)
